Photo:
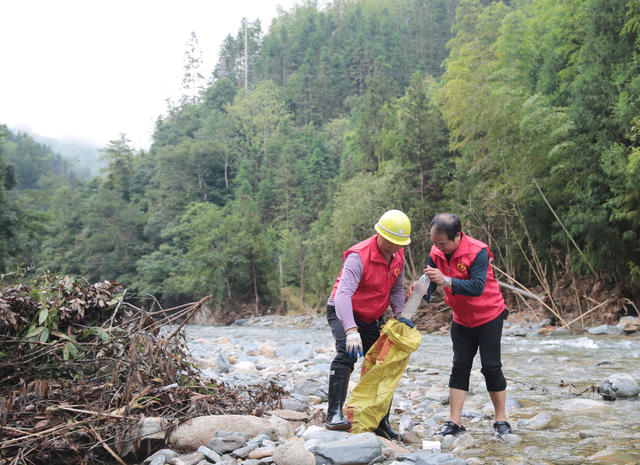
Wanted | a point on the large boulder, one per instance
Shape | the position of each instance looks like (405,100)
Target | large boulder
(619,386)
(197,431)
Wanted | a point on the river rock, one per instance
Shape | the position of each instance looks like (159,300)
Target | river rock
(267,350)
(430,458)
(577,405)
(618,386)
(606,329)
(209,454)
(166,454)
(324,435)
(189,459)
(223,363)
(536,423)
(295,352)
(612,455)
(224,441)
(293,452)
(629,324)
(510,404)
(290,415)
(262,452)
(197,431)
(359,448)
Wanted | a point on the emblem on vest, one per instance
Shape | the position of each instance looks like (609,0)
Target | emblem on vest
(396,272)
(461,267)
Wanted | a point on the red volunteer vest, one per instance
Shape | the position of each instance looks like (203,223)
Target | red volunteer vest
(371,298)
(470,311)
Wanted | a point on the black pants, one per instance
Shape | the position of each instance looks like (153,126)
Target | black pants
(369,332)
(466,342)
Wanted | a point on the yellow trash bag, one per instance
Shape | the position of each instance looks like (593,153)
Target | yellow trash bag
(382,368)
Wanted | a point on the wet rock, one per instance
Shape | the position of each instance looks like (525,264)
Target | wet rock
(577,405)
(511,439)
(359,448)
(430,458)
(606,329)
(536,423)
(618,386)
(510,404)
(612,455)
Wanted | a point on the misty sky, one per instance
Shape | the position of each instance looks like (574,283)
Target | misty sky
(94,69)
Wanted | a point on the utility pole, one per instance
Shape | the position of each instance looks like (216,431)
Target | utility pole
(246,57)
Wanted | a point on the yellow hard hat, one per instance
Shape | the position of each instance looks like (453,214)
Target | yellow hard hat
(395,227)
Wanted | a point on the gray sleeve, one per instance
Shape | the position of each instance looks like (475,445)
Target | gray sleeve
(396,295)
(349,281)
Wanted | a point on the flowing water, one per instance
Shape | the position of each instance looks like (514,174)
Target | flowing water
(543,374)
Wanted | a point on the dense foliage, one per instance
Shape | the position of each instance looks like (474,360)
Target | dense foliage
(521,116)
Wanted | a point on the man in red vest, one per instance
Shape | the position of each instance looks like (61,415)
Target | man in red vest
(371,279)
(462,266)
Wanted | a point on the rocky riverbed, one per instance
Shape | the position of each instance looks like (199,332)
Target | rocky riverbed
(560,391)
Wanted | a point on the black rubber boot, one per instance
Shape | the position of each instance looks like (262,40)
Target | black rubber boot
(338,386)
(385,430)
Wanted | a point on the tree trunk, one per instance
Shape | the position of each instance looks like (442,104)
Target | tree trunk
(302,282)
(255,283)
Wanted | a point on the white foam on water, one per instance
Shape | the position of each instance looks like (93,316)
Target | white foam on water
(582,342)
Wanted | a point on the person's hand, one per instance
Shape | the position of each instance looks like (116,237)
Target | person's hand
(434,275)
(412,287)
(404,320)
(354,345)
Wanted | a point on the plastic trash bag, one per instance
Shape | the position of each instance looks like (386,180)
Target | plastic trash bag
(382,369)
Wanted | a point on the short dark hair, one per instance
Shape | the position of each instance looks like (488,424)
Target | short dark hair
(448,223)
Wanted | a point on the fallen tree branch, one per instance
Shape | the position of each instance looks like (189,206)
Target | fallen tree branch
(533,296)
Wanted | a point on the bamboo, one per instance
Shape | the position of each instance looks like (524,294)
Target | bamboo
(564,228)
(106,446)
(557,314)
(186,320)
(589,311)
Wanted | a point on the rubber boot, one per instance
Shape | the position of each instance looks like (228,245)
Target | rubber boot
(338,385)
(384,429)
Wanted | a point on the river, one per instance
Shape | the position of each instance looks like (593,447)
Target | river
(543,373)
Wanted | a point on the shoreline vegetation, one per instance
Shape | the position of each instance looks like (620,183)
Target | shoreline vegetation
(81,366)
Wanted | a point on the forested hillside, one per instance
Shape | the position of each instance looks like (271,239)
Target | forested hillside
(520,116)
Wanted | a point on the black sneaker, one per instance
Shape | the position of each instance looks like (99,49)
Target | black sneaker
(502,428)
(450,427)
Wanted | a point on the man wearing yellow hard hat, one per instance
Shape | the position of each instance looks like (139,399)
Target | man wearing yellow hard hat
(371,279)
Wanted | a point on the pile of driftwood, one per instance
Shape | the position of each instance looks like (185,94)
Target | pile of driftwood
(80,367)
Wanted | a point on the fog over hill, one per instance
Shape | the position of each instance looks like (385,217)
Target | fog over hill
(84,155)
